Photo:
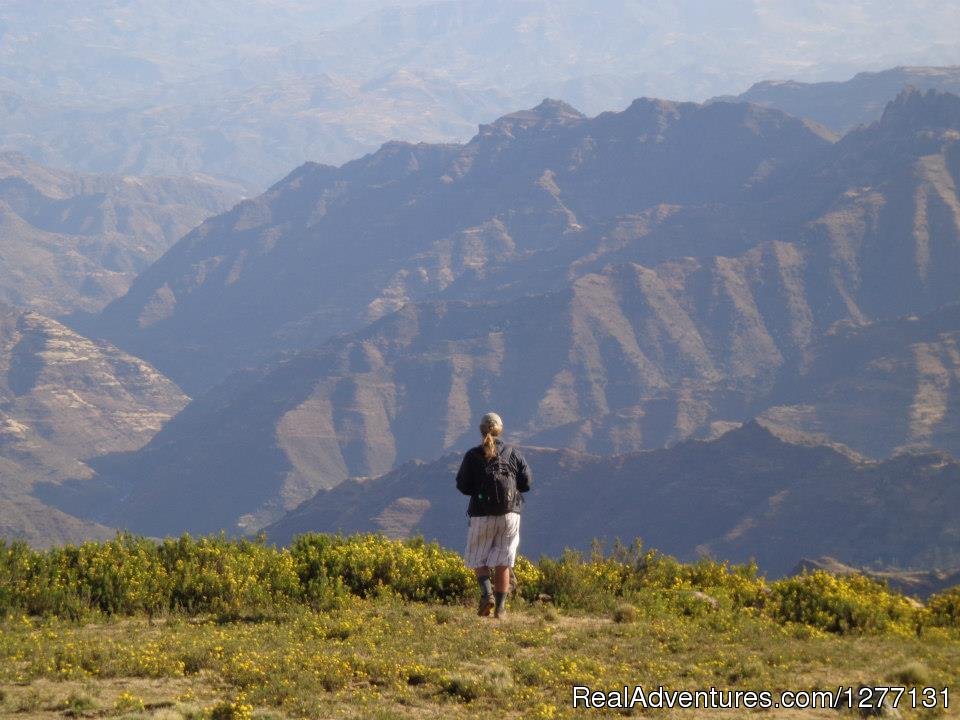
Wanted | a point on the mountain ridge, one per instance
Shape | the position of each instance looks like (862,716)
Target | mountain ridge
(630,356)
(844,105)
(65,399)
(460,207)
(746,495)
(75,242)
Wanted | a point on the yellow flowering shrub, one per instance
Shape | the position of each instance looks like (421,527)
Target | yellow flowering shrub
(128,703)
(238,709)
(367,564)
(529,578)
(217,574)
(944,607)
(239,577)
(839,603)
(573,581)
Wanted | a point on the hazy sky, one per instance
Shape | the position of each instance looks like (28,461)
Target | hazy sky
(250,88)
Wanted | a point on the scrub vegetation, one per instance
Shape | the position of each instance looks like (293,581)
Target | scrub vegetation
(366,627)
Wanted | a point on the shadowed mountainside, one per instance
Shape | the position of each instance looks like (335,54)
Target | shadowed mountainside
(328,249)
(619,365)
(628,356)
(845,104)
(747,494)
(75,242)
(63,400)
(890,385)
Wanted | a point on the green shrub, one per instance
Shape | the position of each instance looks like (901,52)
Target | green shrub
(599,582)
(465,689)
(237,709)
(230,577)
(127,703)
(529,578)
(77,705)
(839,604)
(944,607)
(366,564)
(914,673)
(575,582)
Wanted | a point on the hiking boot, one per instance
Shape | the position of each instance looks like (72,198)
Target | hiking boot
(500,613)
(486,605)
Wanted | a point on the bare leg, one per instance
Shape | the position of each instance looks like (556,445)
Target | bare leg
(501,579)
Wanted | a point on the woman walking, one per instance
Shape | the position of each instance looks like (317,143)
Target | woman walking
(494,475)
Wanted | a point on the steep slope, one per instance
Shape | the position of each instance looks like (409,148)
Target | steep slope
(618,359)
(886,386)
(75,242)
(843,105)
(328,249)
(745,495)
(63,400)
(621,360)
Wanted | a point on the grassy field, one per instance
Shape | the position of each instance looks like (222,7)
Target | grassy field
(366,627)
(389,658)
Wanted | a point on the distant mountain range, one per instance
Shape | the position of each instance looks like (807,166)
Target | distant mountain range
(565,271)
(647,279)
(63,400)
(748,494)
(535,197)
(72,243)
(844,105)
(250,89)
(917,583)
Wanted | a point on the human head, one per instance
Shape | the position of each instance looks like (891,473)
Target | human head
(491,424)
(490,427)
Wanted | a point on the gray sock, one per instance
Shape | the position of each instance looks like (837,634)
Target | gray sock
(486,587)
(501,599)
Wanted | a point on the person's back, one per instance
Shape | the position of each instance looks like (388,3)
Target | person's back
(495,476)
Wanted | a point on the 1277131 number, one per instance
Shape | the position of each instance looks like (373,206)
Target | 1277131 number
(875,696)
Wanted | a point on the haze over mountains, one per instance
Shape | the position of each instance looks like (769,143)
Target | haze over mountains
(616,284)
(580,295)
(502,216)
(844,105)
(252,89)
(74,242)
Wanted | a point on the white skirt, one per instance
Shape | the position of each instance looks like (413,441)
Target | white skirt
(493,540)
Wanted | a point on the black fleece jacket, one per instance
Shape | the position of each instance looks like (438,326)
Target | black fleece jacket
(471,474)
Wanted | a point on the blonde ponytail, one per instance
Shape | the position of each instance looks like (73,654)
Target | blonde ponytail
(490,426)
(489,446)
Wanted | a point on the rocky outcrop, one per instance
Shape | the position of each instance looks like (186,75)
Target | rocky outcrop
(65,399)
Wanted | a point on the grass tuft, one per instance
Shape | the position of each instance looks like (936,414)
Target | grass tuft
(912,674)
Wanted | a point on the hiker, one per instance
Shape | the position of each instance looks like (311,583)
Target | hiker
(494,475)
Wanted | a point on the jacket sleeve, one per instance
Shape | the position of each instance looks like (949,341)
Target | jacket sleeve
(524,476)
(465,477)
